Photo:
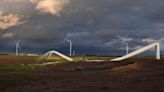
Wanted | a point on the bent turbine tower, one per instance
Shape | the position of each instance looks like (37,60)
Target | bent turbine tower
(157,50)
(49,53)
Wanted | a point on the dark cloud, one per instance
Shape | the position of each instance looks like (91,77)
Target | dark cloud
(91,24)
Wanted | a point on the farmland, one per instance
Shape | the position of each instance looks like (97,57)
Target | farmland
(138,74)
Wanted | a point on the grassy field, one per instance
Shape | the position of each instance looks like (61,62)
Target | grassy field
(24,74)
(17,60)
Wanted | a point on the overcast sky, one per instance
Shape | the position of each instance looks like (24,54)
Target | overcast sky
(94,26)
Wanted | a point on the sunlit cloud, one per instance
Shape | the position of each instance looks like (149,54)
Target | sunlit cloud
(34,1)
(12,0)
(53,7)
(8,35)
(10,20)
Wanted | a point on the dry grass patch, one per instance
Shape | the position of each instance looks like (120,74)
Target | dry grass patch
(127,68)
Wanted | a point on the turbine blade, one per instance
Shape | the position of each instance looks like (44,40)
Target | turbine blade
(19,48)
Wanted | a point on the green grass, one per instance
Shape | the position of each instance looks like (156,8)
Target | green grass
(13,74)
(13,67)
(9,79)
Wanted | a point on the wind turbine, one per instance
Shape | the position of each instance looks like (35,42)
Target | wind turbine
(70,48)
(127,48)
(18,48)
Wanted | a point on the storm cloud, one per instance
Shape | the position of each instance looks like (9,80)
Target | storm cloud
(97,25)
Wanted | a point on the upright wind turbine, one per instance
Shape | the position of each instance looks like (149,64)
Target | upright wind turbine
(127,48)
(70,48)
(18,48)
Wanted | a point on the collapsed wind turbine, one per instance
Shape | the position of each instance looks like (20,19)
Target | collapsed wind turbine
(49,54)
(141,50)
(18,48)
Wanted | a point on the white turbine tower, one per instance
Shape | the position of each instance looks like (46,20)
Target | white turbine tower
(18,48)
(70,48)
(127,48)
(141,50)
(49,54)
